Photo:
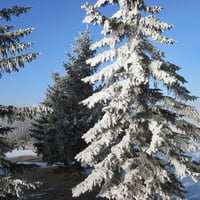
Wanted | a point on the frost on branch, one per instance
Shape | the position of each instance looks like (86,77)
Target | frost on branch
(153,9)
(160,74)
(15,186)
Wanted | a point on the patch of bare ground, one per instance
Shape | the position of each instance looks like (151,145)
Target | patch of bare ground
(56,184)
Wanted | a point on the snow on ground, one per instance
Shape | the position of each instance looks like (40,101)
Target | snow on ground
(15,153)
(28,152)
(41,164)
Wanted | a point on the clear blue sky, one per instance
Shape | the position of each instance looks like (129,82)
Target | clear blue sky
(56,24)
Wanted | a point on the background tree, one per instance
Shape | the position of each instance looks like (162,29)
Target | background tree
(138,149)
(58,134)
(12,57)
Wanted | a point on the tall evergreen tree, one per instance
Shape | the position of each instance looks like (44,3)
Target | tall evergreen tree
(137,150)
(11,59)
(59,133)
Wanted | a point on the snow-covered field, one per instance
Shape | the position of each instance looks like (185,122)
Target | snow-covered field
(27,152)
(193,189)
(15,153)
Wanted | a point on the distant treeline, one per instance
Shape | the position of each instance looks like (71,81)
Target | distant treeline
(20,133)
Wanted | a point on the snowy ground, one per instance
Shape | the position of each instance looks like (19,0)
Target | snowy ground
(15,153)
(27,152)
(192,188)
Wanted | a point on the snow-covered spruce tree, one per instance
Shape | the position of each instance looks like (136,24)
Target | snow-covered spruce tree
(11,59)
(137,150)
(58,134)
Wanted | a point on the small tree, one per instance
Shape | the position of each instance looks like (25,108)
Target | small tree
(11,59)
(137,150)
(59,134)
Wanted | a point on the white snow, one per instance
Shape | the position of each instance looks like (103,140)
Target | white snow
(160,74)
(156,140)
(15,153)
(28,152)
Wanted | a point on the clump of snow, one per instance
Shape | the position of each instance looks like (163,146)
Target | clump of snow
(157,140)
